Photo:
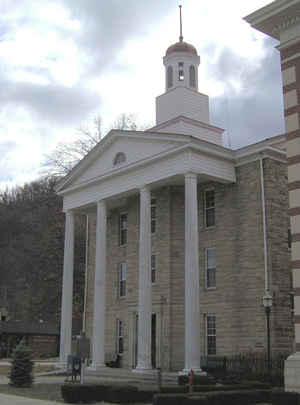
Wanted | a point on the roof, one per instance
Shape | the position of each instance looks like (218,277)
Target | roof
(181,47)
(28,328)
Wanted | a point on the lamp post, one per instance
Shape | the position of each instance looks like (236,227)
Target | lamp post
(267,301)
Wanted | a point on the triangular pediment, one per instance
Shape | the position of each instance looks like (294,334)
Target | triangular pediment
(119,150)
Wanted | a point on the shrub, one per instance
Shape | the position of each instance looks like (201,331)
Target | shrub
(121,394)
(181,389)
(87,393)
(74,394)
(279,397)
(243,397)
(198,379)
(169,399)
(21,367)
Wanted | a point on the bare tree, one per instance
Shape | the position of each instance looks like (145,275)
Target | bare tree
(67,154)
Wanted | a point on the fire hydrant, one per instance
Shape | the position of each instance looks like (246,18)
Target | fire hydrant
(191,381)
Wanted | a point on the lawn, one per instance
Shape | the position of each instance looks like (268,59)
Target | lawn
(50,392)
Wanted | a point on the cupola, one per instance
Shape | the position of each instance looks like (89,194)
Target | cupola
(181,63)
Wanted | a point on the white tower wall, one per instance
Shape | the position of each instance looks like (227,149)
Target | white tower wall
(182,101)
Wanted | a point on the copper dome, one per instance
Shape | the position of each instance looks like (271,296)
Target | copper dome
(181,47)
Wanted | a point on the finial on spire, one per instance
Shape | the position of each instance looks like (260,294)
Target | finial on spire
(181,37)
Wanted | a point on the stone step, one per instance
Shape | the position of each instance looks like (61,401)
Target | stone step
(129,376)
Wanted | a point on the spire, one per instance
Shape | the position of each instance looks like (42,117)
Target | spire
(181,37)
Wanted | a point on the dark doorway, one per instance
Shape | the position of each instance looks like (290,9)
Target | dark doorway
(153,341)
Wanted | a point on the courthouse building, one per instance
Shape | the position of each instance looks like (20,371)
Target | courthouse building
(185,236)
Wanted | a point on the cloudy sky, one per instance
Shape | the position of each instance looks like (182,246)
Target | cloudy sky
(62,62)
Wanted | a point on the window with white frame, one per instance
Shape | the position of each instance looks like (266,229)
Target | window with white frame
(123,229)
(192,76)
(170,77)
(153,215)
(209,208)
(210,267)
(122,280)
(153,268)
(211,342)
(120,336)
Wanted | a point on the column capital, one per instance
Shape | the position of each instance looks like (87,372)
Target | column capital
(144,188)
(101,203)
(190,175)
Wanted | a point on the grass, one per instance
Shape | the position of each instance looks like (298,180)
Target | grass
(50,392)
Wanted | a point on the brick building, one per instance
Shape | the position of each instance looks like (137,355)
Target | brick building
(185,236)
(280,20)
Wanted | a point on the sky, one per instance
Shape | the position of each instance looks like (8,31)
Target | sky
(63,62)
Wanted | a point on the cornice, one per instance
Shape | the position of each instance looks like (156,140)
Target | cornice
(187,120)
(289,22)
(275,17)
(262,152)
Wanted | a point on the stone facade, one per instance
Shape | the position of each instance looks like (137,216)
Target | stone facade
(240,277)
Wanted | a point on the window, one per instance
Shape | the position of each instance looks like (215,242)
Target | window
(289,239)
(123,229)
(153,215)
(211,335)
(169,77)
(210,266)
(192,76)
(122,280)
(180,72)
(120,337)
(209,208)
(153,268)
(119,158)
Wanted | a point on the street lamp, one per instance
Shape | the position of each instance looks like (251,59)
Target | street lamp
(267,301)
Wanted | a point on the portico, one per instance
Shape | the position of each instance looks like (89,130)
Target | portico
(190,180)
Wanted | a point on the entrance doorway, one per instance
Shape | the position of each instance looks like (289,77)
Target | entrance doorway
(153,340)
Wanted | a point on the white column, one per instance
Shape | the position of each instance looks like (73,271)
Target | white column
(98,360)
(192,286)
(67,289)
(145,298)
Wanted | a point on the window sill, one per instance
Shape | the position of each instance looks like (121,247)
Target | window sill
(210,288)
(209,228)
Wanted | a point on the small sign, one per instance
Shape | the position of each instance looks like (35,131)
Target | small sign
(83,346)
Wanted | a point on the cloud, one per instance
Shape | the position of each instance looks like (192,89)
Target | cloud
(56,104)
(5,149)
(251,106)
(106,26)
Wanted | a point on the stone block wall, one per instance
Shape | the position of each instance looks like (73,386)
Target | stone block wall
(240,278)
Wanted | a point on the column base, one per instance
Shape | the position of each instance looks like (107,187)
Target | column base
(61,365)
(197,371)
(144,370)
(292,373)
(96,367)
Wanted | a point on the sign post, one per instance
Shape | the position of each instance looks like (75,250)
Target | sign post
(83,350)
